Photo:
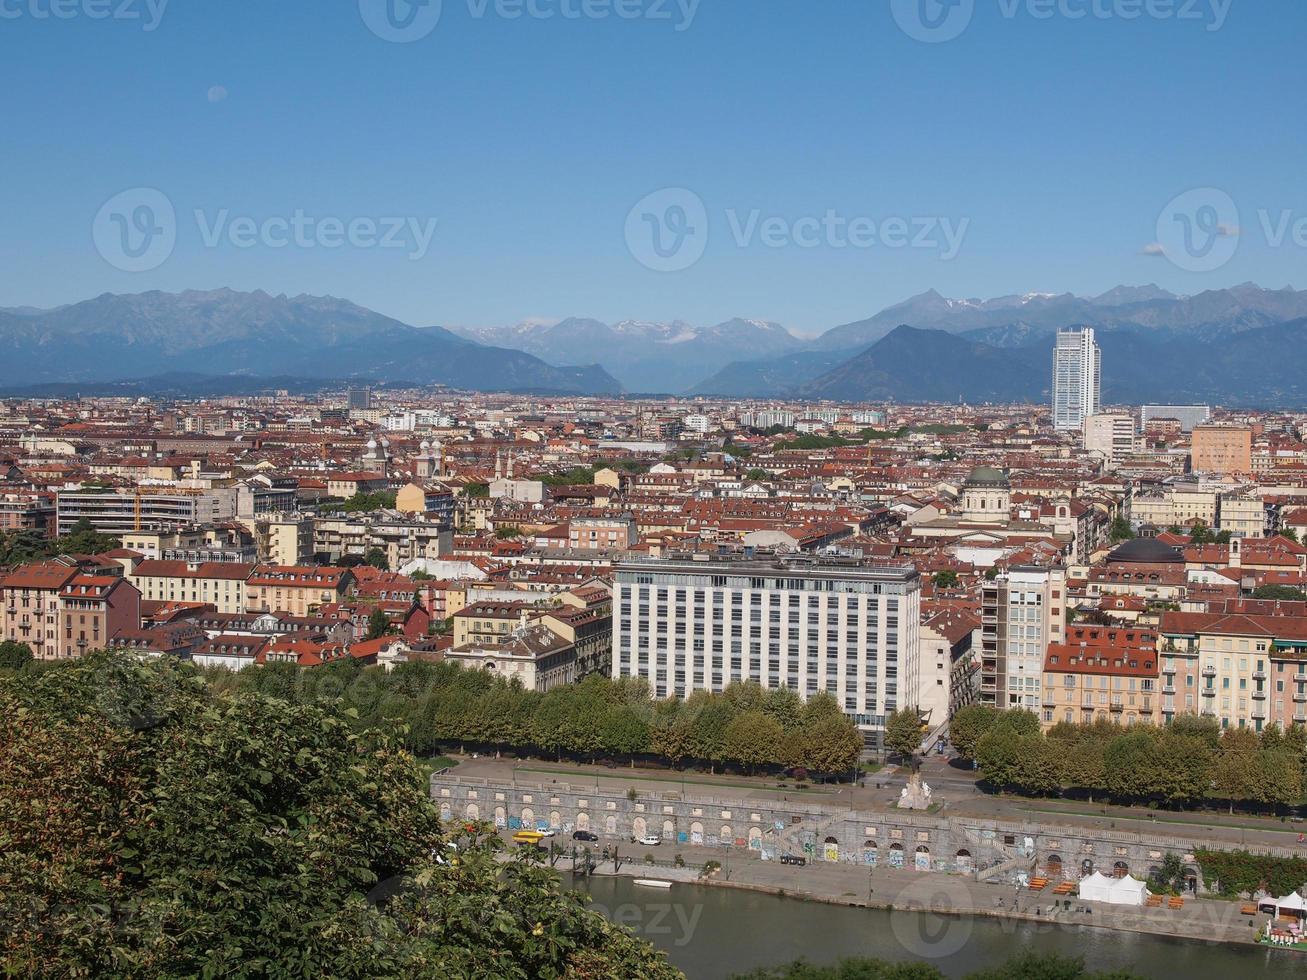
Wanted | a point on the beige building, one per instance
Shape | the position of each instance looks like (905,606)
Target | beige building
(1110,436)
(300,591)
(1223,449)
(221,584)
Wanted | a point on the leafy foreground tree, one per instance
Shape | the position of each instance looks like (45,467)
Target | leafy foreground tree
(1027,966)
(150,827)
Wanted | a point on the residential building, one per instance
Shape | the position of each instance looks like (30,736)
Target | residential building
(1102,673)
(1226,450)
(1021,613)
(219,584)
(1110,436)
(295,590)
(534,655)
(839,626)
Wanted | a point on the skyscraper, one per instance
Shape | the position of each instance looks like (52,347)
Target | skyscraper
(1077,369)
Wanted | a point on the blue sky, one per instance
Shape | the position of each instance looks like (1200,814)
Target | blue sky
(1050,145)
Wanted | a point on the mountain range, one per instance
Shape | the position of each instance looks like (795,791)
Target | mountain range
(643,356)
(256,335)
(1240,346)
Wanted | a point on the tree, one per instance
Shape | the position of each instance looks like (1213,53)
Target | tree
(378,625)
(947,579)
(376,557)
(998,753)
(831,745)
(969,725)
(1200,534)
(185,833)
(753,739)
(1284,593)
(1120,530)
(903,732)
(508,532)
(83,539)
(14,656)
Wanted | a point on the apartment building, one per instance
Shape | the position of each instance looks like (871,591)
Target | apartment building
(118,512)
(1102,672)
(297,590)
(1223,449)
(839,626)
(1021,613)
(59,610)
(220,584)
(93,609)
(616,533)
(1244,663)
(1110,436)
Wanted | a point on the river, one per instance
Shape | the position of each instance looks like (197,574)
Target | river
(714,933)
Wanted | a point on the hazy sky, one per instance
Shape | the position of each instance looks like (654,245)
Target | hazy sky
(827,162)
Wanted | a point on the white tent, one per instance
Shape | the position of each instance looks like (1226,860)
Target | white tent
(1128,891)
(1115,891)
(1096,888)
(1291,905)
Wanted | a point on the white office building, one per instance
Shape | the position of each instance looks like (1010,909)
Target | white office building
(1111,437)
(1077,378)
(688,624)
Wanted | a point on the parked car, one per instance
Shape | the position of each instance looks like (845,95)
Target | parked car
(584,835)
(794,859)
(528,837)
(547,832)
(648,840)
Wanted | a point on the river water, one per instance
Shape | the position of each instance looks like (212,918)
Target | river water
(714,933)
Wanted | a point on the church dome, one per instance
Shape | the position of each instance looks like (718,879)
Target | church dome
(1146,551)
(986,476)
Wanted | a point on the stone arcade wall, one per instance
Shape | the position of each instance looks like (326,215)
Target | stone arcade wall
(987,849)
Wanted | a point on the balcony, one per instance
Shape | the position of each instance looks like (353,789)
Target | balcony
(1118,706)
(1209,671)
(1259,712)
(1209,692)
(1168,689)
(1300,697)
(1260,694)
(1168,669)
(1300,677)
(1259,675)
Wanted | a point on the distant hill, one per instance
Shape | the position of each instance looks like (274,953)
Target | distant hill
(224,332)
(1264,367)
(1153,342)
(914,365)
(646,356)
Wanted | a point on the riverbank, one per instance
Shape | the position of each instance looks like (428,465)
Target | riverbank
(720,933)
(897,890)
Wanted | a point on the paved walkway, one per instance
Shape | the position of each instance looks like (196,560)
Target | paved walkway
(945,895)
